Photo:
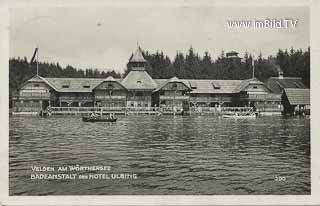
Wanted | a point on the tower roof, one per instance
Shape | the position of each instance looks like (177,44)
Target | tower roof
(137,56)
(138,80)
(110,78)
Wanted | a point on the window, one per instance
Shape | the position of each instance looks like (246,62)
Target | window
(193,85)
(139,82)
(36,85)
(110,85)
(216,85)
(254,87)
(86,86)
(65,86)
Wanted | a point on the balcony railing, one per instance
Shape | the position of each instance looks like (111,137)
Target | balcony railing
(75,98)
(34,94)
(163,97)
(110,97)
(139,98)
(210,99)
(261,97)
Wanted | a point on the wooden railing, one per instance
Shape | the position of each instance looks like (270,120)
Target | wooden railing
(34,94)
(62,98)
(164,97)
(210,99)
(110,97)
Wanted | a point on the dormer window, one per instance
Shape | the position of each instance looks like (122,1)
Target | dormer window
(139,82)
(65,86)
(86,86)
(254,87)
(174,86)
(216,85)
(193,85)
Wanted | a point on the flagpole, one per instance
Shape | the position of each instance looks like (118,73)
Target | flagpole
(252,66)
(37,62)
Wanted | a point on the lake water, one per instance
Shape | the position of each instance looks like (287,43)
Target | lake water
(169,154)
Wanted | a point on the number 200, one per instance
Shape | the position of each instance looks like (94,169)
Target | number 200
(280,178)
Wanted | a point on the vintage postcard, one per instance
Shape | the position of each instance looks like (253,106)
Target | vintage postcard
(150,103)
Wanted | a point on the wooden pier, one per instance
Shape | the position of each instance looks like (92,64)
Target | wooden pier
(82,111)
(147,110)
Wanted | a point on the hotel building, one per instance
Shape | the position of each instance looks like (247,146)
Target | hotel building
(139,89)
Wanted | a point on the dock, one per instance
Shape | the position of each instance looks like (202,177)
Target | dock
(214,111)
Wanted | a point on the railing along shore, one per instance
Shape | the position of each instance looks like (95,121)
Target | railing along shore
(147,110)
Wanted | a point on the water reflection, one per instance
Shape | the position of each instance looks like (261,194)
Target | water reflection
(171,155)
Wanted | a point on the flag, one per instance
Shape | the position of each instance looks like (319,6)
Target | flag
(34,56)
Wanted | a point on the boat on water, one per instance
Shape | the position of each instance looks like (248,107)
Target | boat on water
(98,119)
(240,116)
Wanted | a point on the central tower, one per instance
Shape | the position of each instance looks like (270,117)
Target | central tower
(137,62)
(138,82)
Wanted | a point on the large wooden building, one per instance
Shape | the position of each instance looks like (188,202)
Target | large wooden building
(138,89)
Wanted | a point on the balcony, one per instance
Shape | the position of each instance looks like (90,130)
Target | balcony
(262,97)
(210,99)
(99,97)
(34,95)
(163,97)
(139,98)
(75,98)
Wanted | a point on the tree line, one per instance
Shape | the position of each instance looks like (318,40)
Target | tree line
(293,63)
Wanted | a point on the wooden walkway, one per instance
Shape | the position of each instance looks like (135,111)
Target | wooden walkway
(216,111)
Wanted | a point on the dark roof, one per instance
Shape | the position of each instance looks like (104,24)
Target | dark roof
(276,84)
(139,80)
(297,96)
(137,56)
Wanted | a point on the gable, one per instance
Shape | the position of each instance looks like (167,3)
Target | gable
(175,86)
(110,85)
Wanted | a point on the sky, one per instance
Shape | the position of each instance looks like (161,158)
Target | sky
(105,37)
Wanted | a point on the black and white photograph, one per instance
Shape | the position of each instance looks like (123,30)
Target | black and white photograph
(159,99)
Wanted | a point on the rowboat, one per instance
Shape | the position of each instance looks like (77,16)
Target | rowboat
(240,116)
(98,119)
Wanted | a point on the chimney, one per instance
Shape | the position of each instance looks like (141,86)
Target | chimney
(280,72)
(280,75)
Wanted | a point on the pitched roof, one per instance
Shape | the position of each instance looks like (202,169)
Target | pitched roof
(173,79)
(139,80)
(276,84)
(74,84)
(110,78)
(37,78)
(297,96)
(137,56)
(245,83)
(207,86)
